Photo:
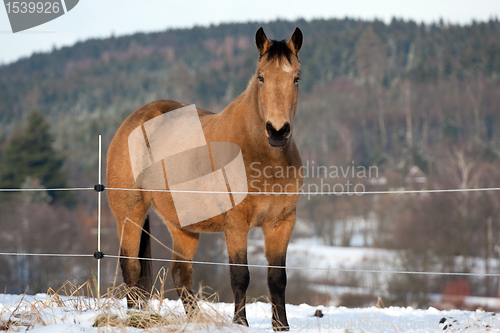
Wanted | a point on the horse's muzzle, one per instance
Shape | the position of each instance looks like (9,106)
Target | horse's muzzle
(278,138)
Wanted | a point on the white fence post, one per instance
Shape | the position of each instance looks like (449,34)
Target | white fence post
(99,194)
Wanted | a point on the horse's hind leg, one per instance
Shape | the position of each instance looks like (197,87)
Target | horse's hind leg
(144,283)
(185,245)
(133,232)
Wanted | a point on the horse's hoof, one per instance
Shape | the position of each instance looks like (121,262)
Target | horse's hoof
(240,321)
(193,312)
(281,328)
(278,326)
(137,303)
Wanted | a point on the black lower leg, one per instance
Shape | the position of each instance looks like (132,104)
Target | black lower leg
(182,274)
(240,278)
(146,278)
(138,274)
(131,275)
(277,283)
(188,301)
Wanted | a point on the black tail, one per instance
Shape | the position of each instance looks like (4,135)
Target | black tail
(146,279)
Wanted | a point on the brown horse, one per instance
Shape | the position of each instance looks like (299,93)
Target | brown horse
(260,122)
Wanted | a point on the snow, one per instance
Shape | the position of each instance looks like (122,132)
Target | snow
(44,313)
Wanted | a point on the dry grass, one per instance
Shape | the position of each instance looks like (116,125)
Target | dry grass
(111,310)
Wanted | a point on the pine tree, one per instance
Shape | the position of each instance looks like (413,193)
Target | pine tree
(30,154)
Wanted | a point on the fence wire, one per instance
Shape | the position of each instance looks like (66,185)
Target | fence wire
(328,269)
(45,189)
(45,254)
(482,189)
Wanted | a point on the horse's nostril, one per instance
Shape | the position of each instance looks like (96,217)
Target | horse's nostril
(281,133)
(270,129)
(285,130)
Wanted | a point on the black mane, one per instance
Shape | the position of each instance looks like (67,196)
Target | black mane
(278,50)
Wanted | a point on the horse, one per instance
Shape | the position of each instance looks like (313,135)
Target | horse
(260,122)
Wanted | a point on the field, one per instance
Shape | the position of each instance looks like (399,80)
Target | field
(54,313)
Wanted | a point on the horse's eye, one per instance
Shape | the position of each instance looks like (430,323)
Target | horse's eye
(296,80)
(260,78)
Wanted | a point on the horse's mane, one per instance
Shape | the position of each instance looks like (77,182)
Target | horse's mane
(278,50)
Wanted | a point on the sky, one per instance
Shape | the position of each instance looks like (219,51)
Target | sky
(103,18)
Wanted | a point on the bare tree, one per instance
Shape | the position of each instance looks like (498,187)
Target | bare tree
(475,89)
(407,93)
(371,62)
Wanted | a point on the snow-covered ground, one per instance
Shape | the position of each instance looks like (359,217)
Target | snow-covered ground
(43,313)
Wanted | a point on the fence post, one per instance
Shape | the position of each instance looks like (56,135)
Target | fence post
(99,225)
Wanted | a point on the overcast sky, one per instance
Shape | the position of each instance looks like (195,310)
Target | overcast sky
(101,18)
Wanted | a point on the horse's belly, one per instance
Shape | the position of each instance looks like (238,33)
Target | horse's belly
(214,224)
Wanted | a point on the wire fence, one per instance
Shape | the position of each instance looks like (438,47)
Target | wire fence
(483,189)
(99,188)
(328,269)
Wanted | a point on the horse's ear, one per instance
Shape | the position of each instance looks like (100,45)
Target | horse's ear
(261,41)
(295,42)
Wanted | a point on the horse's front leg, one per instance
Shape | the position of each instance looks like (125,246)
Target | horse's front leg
(277,237)
(236,240)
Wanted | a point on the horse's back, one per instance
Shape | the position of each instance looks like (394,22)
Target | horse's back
(119,169)
(149,111)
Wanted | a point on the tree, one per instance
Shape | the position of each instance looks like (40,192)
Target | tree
(30,155)
(371,61)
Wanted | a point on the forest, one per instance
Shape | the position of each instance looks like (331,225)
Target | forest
(391,96)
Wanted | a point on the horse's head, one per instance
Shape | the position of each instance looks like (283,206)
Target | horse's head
(278,75)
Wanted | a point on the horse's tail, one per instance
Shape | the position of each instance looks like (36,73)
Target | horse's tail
(146,278)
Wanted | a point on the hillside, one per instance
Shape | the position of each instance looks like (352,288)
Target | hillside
(91,87)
